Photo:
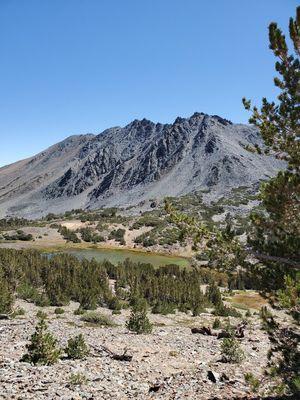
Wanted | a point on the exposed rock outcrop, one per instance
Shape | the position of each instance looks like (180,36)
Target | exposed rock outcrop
(142,161)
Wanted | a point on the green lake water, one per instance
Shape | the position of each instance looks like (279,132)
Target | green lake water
(115,256)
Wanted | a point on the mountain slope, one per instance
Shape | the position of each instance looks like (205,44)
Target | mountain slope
(143,160)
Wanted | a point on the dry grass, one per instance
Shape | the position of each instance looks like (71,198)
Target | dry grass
(249,300)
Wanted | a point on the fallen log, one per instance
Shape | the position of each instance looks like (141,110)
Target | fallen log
(122,357)
(205,330)
(113,355)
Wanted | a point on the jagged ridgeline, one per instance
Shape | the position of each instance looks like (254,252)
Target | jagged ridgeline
(142,161)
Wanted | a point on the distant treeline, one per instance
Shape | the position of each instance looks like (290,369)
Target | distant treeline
(13,223)
(58,279)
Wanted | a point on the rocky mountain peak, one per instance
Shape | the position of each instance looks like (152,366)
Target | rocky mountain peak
(143,160)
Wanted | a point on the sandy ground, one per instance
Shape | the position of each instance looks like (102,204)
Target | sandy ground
(46,237)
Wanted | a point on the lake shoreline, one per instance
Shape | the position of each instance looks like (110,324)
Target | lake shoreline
(85,247)
(82,246)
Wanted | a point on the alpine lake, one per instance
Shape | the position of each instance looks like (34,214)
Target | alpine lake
(116,256)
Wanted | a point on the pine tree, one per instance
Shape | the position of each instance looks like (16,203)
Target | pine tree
(276,232)
(138,321)
(231,350)
(77,348)
(214,295)
(42,349)
(6,296)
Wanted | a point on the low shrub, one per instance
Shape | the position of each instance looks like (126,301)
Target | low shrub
(27,292)
(18,312)
(68,235)
(118,235)
(42,349)
(163,308)
(19,235)
(78,379)
(223,311)
(248,314)
(6,297)
(138,321)
(216,323)
(231,350)
(197,309)
(41,314)
(114,303)
(79,311)
(42,300)
(95,318)
(59,311)
(88,235)
(253,382)
(77,348)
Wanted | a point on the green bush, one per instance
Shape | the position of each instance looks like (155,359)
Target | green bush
(253,382)
(197,309)
(41,314)
(18,312)
(19,235)
(77,348)
(114,303)
(295,384)
(138,321)
(231,350)
(14,222)
(6,296)
(27,292)
(223,311)
(118,235)
(54,226)
(147,220)
(30,293)
(78,379)
(96,318)
(268,322)
(79,311)
(289,297)
(88,235)
(163,308)
(68,235)
(217,323)
(88,298)
(42,349)
(214,295)
(59,311)
(42,300)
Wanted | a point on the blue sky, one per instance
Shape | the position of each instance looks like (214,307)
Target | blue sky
(76,66)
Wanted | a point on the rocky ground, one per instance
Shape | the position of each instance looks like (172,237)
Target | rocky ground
(170,363)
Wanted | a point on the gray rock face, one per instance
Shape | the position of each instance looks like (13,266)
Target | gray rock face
(143,160)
